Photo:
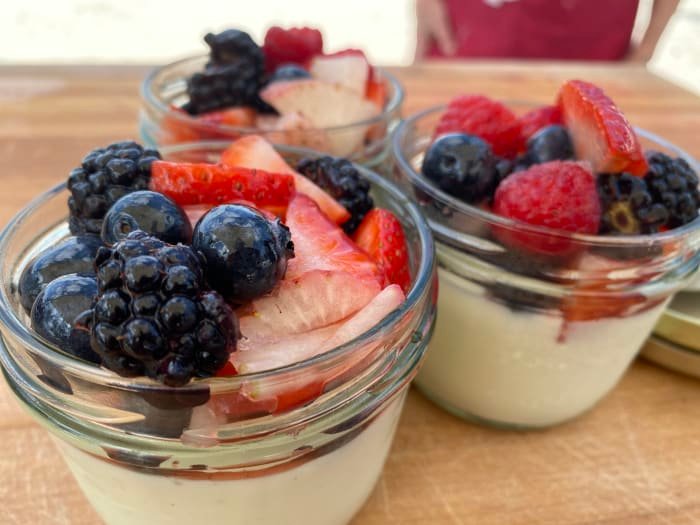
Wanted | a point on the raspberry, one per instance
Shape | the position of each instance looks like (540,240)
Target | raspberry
(532,121)
(291,46)
(485,118)
(560,195)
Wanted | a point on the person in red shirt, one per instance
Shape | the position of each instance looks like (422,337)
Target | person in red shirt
(552,29)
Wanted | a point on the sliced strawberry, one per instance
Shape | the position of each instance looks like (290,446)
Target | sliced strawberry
(319,244)
(195,212)
(381,235)
(253,151)
(200,183)
(377,93)
(348,70)
(236,116)
(357,53)
(600,132)
(532,121)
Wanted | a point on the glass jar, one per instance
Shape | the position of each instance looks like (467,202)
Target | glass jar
(161,123)
(220,451)
(527,338)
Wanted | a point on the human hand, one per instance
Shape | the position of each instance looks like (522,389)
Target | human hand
(639,53)
(433,24)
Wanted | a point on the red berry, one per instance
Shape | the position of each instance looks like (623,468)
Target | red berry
(560,195)
(532,121)
(380,235)
(291,46)
(600,132)
(201,183)
(485,118)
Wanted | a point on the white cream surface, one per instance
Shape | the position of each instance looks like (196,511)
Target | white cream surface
(327,490)
(509,367)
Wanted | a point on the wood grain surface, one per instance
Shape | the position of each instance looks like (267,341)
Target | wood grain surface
(634,459)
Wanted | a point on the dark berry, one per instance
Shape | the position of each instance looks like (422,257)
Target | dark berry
(233,46)
(288,72)
(550,143)
(148,211)
(674,184)
(627,206)
(341,179)
(56,309)
(106,175)
(154,316)
(462,165)
(246,253)
(73,255)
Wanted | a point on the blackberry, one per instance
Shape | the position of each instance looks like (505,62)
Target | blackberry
(464,166)
(153,314)
(627,205)
(674,184)
(233,46)
(106,175)
(344,183)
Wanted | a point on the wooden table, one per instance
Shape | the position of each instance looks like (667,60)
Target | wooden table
(635,459)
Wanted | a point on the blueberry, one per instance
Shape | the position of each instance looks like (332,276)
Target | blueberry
(550,143)
(56,309)
(73,255)
(289,72)
(246,253)
(462,165)
(151,212)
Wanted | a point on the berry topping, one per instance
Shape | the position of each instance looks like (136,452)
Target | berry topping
(343,182)
(288,72)
(560,195)
(381,235)
(55,310)
(485,118)
(350,70)
(154,316)
(600,132)
(148,211)
(673,183)
(73,255)
(220,87)
(627,206)
(533,121)
(549,143)
(293,45)
(106,175)
(253,151)
(201,183)
(463,166)
(233,46)
(246,253)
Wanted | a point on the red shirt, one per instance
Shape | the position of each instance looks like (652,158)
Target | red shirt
(556,29)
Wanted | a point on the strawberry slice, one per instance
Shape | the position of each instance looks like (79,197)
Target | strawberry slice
(533,121)
(253,151)
(376,92)
(195,212)
(200,183)
(381,235)
(319,244)
(600,132)
(241,116)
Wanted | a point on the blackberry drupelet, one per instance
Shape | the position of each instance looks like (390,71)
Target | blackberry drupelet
(154,315)
(234,46)
(627,205)
(673,183)
(106,175)
(344,183)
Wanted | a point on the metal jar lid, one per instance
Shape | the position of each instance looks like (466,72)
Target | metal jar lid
(680,323)
(672,356)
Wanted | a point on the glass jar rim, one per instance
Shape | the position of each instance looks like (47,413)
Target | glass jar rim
(420,286)
(151,97)
(417,179)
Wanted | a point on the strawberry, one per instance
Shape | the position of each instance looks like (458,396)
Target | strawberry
(200,183)
(319,244)
(560,195)
(348,70)
(243,117)
(253,151)
(532,121)
(291,46)
(485,118)
(376,93)
(381,235)
(600,132)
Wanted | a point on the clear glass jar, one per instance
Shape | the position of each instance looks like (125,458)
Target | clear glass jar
(160,123)
(526,340)
(216,451)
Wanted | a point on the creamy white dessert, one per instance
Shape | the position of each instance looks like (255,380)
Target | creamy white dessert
(327,490)
(511,367)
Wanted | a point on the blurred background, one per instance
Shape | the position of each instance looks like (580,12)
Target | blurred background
(158,31)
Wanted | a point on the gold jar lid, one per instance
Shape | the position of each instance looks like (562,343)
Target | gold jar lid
(680,323)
